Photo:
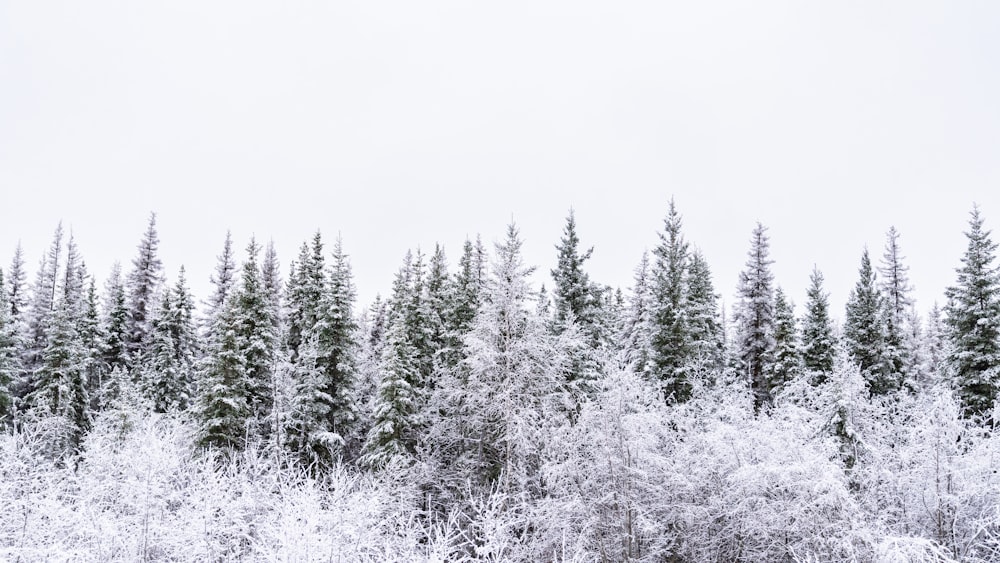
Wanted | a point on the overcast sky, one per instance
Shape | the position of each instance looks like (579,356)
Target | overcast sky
(407,123)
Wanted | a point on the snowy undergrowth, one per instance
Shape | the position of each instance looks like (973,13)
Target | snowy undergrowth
(141,493)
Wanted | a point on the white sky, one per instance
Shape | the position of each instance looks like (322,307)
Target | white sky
(405,123)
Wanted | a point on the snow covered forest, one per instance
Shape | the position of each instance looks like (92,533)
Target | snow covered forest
(471,415)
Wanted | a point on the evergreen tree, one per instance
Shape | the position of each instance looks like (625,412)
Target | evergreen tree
(336,345)
(787,357)
(818,343)
(393,435)
(436,302)
(115,330)
(573,294)
(863,331)
(224,389)
(168,376)
(271,276)
(973,320)
(466,296)
(897,301)
(668,330)
(704,329)
(222,280)
(636,335)
(935,345)
(39,316)
(755,318)
(513,366)
(60,388)
(9,361)
(256,339)
(305,289)
(17,280)
(143,291)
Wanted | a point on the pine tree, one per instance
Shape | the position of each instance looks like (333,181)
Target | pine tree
(336,345)
(393,435)
(256,338)
(42,305)
(897,301)
(143,291)
(787,357)
(436,302)
(168,377)
(305,289)
(668,329)
(10,364)
(60,389)
(573,293)
(465,298)
(224,388)
(271,276)
(704,328)
(863,330)
(17,281)
(636,335)
(115,329)
(973,320)
(513,366)
(935,345)
(755,318)
(222,280)
(818,343)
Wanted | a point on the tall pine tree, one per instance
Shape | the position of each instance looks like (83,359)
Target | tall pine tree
(755,318)
(818,345)
(973,320)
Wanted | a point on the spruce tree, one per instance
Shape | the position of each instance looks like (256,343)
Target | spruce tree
(40,313)
(223,408)
(256,339)
(755,318)
(787,363)
(573,293)
(17,282)
(818,343)
(222,281)
(636,335)
(668,329)
(115,322)
(897,301)
(464,299)
(143,291)
(973,320)
(393,435)
(305,289)
(703,325)
(168,377)
(863,331)
(10,364)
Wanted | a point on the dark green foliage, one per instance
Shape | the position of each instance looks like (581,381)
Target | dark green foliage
(863,331)
(668,330)
(142,290)
(703,326)
(818,344)
(787,358)
(755,318)
(973,320)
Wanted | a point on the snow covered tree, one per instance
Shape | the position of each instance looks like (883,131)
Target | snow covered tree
(393,435)
(60,388)
(42,305)
(270,271)
(17,283)
(573,293)
(168,368)
(513,368)
(237,384)
(637,324)
(755,318)
(668,327)
(863,330)
(306,285)
(973,319)
(222,281)
(935,345)
(466,296)
(223,408)
(115,329)
(143,291)
(897,301)
(818,343)
(703,324)
(10,362)
(336,345)
(787,358)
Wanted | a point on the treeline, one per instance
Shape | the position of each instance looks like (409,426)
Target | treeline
(571,408)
